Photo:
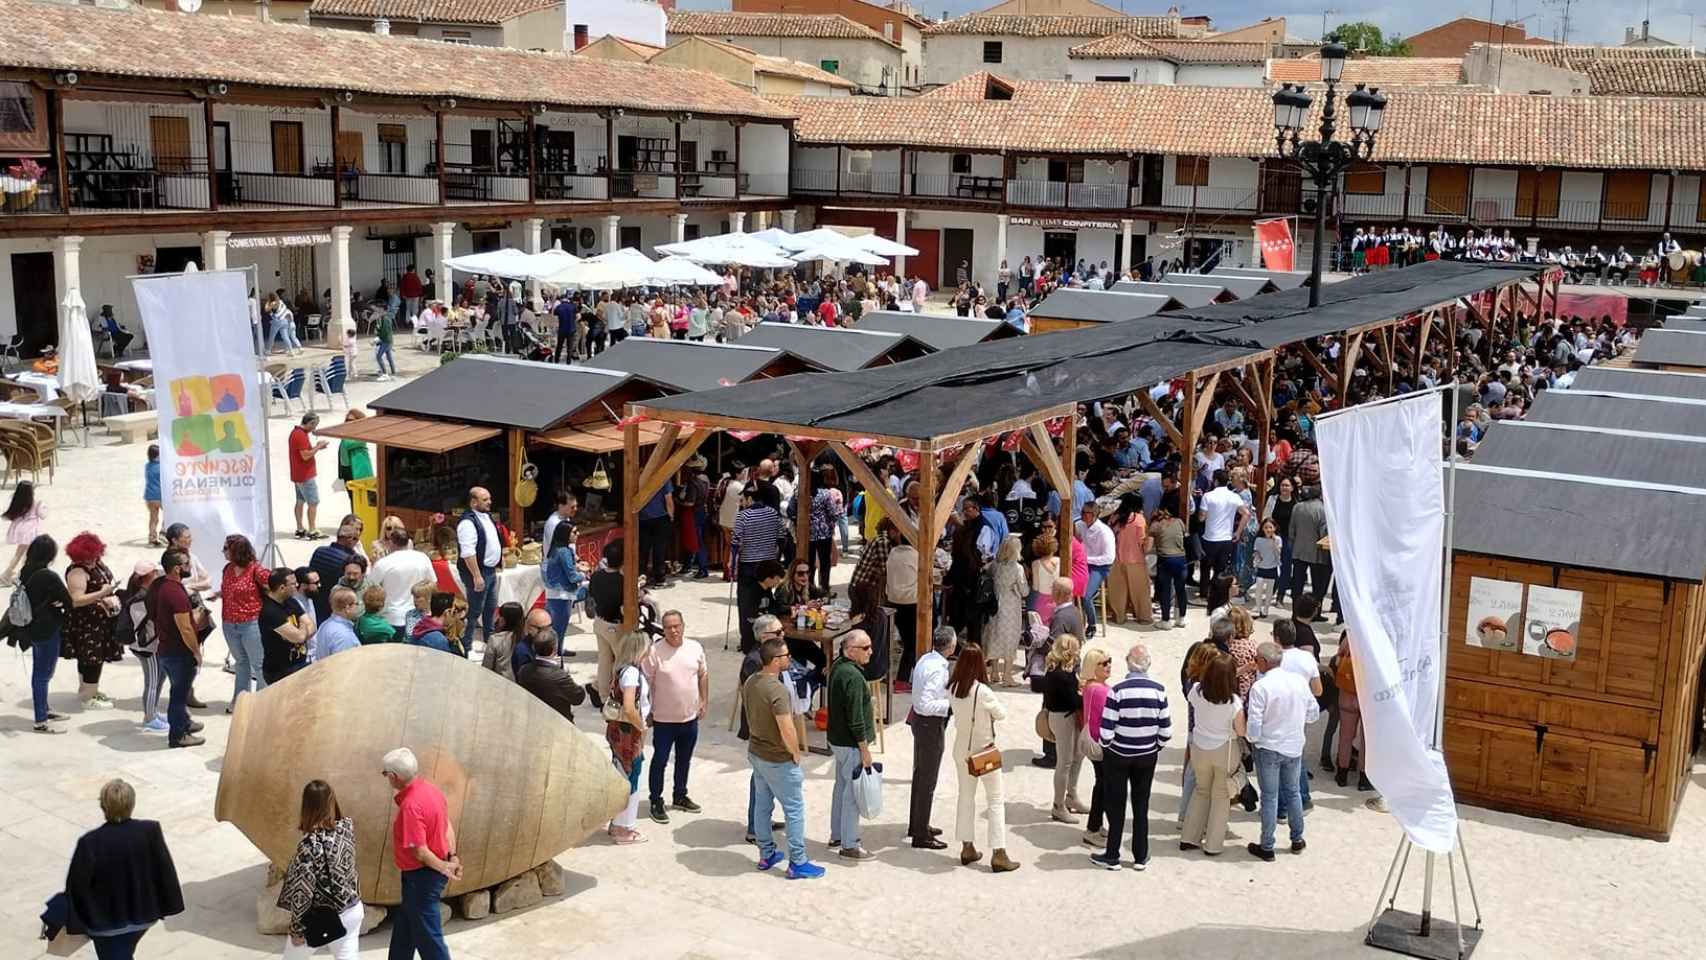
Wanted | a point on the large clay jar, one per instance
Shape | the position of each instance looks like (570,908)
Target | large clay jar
(522,783)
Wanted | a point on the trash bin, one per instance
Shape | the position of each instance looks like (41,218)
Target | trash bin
(365,495)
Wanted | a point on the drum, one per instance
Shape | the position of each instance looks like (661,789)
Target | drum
(1681,264)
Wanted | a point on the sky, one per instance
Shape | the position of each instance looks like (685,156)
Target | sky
(1591,21)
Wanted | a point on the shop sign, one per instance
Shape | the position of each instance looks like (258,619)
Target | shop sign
(278,240)
(1063,223)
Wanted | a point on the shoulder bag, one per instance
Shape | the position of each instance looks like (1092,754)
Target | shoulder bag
(987,760)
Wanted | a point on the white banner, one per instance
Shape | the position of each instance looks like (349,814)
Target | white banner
(1380,474)
(213,417)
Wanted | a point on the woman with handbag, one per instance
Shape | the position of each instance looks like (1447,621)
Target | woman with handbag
(627,712)
(320,885)
(976,709)
(1219,721)
(1093,675)
(1062,702)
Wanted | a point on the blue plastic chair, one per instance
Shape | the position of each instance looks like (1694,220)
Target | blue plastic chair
(291,388)
(330,381)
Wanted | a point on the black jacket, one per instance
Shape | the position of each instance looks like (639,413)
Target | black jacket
(552,684)
(121,874)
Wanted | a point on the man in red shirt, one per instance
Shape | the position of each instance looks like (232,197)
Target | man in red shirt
(423,843)
(302,470)
(409,287)
(179,653)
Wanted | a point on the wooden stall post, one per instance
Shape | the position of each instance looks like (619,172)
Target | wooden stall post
(926,546)
(1069,465)
(517,456)
(1187,446)
(630,526)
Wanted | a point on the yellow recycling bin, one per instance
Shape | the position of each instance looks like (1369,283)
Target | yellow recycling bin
(365,495)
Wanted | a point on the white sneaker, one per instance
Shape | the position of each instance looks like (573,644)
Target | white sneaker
(96,703)
(1179,624)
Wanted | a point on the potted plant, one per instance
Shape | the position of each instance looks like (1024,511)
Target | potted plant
(21,184)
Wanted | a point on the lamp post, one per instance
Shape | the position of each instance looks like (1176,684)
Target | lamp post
(1326,158)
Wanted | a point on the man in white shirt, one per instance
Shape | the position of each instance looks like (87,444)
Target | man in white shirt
(920,292)
(1279,707)
(567,506)
(929,722)
(1099,554)
(1224,515)
(398,571)
(481,553)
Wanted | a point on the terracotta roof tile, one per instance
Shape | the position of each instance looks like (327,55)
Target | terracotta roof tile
(1018,25)
(1422,125)
(801,25)
(781,66)
(1126,46)
(145,43)
(1380,72)
(430,11)
(972,86)
(1628,71)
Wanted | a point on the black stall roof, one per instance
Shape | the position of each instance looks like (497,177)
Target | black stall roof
(1239,286)
(1101,306)
(1687,324)
(938,331)
(684,365)
(832,348)
(1282,318)
(1589,408)
(1189,291)
(1613,454)
(1657,383)
(1672,346)
(1581,521)
(1281,279)
(502,391)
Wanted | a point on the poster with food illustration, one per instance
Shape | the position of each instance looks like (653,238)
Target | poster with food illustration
(1552,622)
(1495,614)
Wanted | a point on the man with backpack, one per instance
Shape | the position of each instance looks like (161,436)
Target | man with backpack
(179,648)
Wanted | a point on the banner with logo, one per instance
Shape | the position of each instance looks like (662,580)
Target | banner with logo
(213,418)
(1274,237)
(1380,474)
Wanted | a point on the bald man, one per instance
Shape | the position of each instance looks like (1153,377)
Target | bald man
(481,552)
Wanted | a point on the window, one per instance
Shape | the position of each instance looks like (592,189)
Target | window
(829,66)
(1537,193)
(394,148)
(23,109)
(1366,179)
(349,151)
(1628,195)
(1066,171)
(171,139)
(991,51)
(463,37)
(1120,79)
(1190,171)
(961,163)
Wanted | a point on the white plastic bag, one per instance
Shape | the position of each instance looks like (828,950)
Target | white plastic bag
(868,789)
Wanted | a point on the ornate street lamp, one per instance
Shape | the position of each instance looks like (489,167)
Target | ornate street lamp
(1325,159)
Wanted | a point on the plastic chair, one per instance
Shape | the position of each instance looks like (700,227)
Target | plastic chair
(290,389)
(330,379)
(314,324)
(11,349)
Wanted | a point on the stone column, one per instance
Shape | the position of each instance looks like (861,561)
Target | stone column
(213,249)
(678,228)
(737,222)
(1125,245)
(443,284)
(788,220)
(612,235)
(1000,241)
(532,229)
(340,279)
(900,237)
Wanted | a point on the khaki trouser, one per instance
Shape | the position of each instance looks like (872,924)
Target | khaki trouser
(1067,760)
(1205,813)
(1128,587)
(607,634)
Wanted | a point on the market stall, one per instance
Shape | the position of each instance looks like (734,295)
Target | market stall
(837,348)
(1073,309)
(936,330)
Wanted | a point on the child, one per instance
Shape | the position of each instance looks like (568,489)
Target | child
(373,627)
(422,592)
(348,342)
(26,514)
(1267,560)
(151,494)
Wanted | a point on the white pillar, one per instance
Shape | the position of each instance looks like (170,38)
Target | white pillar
(532,229)
(340,278)
(900,237)
(444,286)
(788,220)
(737,222)
(1125,245)
(1000,240)
(213,249)
(67,270)
(612,235)
(678,228)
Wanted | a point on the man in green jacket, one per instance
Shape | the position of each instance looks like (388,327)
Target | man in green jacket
(851,731)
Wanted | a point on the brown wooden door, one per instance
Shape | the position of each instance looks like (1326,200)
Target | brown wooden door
(1537,193)
(480,149)
(170,137)
(287,147)
(1448,191)
(1628,195)
(348,150)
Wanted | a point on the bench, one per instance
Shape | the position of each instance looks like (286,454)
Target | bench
(134,426)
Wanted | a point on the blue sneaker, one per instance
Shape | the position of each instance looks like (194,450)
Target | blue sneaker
(804,871)
(765,863)
(156,725)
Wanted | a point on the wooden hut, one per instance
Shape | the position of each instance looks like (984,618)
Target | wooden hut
(938,331)
(1071,309)
(1190,291)
(837,348)
(1671,348)
(682,366)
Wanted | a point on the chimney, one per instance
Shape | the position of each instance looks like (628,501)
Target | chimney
(580,35)
(382,27)
(1628,35)
(1645,26)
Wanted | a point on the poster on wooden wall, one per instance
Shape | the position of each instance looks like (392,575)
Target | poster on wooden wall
(1495,614)
(1551,623)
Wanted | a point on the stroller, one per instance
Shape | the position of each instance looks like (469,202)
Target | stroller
(529,346)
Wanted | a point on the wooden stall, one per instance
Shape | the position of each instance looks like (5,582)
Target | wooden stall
(681,366)
(1190,291)
(936,330)
(837,348)
(1674,349)
(1075,309)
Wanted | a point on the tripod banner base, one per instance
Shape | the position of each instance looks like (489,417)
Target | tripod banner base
(1400,932)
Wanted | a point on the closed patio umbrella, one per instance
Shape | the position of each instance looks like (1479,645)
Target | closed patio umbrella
(79,379)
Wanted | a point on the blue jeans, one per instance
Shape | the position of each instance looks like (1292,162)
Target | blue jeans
(1284,571)
(1278,776)
(46,654)
(244,639)
(1098,574)
(773,782)
(285,332)
(179,669)
(680,737)
(841,524)
(415,927)
(381,353)
(1170,578)
(121,947)
(844,807)
(559,611)
(1186,787)
(482,604)
(701,557)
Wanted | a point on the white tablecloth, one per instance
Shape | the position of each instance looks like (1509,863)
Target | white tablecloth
(24,411)
(46,385)
(520,584)
(145,365)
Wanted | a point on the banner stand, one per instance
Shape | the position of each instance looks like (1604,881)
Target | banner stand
(1401,931)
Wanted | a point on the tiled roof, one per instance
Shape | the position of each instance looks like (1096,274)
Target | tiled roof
(430,11)
(645,50)
(145,43)
(1422,125)
(1627,71)
(972,86)
(1126,46)
(781,66)
(1016,25)
(1383,72)
(798,25)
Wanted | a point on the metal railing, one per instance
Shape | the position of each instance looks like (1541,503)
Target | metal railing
(883,182)
(276,189)
(25,197)
(812,181)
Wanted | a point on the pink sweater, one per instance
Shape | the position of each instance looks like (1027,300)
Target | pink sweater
(1095,697)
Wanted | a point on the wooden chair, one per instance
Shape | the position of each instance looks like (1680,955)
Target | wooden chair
(38,438)
(22,454)
(72,408)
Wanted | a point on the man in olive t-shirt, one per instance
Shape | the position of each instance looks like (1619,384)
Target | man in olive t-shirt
(774,749)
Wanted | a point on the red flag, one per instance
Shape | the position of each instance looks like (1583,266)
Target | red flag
(1274,236)
(908,460)
(1010,442)
(860,444)
(743,435)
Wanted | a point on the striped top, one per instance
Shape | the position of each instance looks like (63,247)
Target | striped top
(1134,719)
(757,532)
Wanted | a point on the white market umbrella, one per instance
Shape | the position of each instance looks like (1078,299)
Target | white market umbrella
(545,263)
(776,237)
(627,257)
(682,272)
(739,248)
(613,274)
(844,252)
(78,377)
(507,262)
(883,246)
(815,238)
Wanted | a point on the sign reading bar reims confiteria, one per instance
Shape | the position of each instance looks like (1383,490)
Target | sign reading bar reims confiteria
(282,240)
(1062,223)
